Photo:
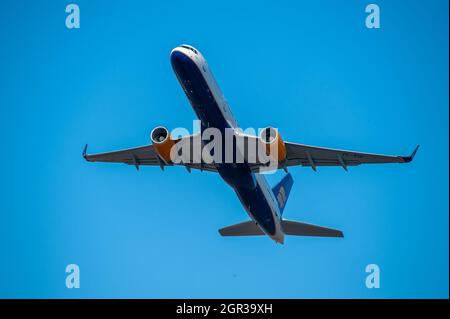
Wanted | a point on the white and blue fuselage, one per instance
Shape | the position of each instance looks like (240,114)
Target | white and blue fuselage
(212,109)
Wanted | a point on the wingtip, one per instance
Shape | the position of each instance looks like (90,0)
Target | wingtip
(415,151)
(407,159)
(85,151)
(221,231)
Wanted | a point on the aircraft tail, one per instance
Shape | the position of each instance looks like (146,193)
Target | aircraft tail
(249,228)
(282,190)
(303,229)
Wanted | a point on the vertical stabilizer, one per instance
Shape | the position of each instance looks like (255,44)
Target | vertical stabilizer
(282,190)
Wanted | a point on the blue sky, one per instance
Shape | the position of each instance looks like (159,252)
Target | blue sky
(312,69)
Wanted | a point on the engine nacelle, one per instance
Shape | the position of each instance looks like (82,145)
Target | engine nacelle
(162,143)
(275,147)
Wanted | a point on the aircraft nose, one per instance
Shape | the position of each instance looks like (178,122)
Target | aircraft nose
(176,56)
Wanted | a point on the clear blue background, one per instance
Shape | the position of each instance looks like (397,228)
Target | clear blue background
(311,69)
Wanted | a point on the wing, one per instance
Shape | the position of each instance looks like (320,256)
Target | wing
(313,156)
(145,155)
(305,155)
(296,154)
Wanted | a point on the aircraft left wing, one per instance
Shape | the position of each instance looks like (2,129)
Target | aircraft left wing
(313,156)
(305,155)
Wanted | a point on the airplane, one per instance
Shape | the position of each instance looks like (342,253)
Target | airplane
(263,204)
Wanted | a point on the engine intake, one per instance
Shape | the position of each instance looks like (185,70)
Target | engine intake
(275,147)
(162,142)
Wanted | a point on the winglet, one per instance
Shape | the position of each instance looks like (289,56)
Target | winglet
(408,159)
(84,152)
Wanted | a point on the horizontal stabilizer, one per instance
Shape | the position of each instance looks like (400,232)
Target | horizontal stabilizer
(303,229)
(242,229)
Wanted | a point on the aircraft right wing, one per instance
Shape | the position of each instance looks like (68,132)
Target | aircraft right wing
(146,155)
(143,155)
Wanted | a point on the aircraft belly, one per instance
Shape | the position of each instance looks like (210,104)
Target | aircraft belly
(257,206)
(238,176)
(198,92)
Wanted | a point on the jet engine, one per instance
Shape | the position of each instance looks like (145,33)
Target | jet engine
(275,147)
(162,143)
